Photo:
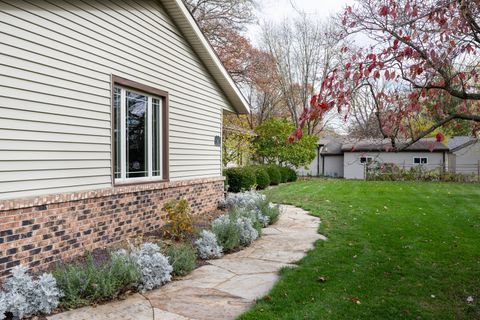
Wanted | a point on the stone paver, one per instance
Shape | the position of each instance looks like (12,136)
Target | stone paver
(224,288)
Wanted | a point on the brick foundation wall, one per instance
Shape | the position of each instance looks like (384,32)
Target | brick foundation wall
(36,232)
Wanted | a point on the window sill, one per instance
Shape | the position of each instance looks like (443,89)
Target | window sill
(138,182)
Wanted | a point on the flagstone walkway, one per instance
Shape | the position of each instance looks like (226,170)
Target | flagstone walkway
(224,288)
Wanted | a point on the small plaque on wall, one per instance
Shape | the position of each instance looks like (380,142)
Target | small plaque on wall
(218,141)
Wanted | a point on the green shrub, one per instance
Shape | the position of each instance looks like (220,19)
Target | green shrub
(182,258)
(291,175)
(225,184)
(262,177)
(85,283)
(227,231)
(284,174)
(274,174)
(180,223)
(242,178)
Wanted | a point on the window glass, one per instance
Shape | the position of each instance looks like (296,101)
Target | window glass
(366,159)
(420,160)
(136,135)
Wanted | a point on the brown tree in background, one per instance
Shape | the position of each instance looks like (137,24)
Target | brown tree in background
(305,51)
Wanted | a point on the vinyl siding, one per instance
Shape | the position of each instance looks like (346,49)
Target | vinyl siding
(56,62)
(467,160)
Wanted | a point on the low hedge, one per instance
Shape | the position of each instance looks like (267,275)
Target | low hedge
(263,179)
(274,174)
(291,175)
(241,178)
(284,173)
(245,178)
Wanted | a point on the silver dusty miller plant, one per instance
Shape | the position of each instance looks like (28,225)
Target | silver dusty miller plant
(154,267)
(255,215)
(25,297)
(248,233)
(207,246)
(3,305)
(247,199)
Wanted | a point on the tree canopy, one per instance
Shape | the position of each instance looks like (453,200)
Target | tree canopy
(421,51)
(271,144)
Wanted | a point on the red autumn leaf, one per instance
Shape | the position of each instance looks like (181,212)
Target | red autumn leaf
(439,137)
(384,11)
(299,133)
(408,51)
(415,12)
(395,44)
(291,139)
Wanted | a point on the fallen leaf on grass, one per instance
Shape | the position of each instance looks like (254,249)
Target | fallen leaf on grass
(356,300)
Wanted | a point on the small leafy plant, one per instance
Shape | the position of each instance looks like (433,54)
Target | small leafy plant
(88,282)
(227,231)
(180,223)
(182,258)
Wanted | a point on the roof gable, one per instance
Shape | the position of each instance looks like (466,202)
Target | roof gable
(179,13)
(460,142)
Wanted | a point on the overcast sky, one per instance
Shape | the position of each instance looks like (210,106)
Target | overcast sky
(277,10)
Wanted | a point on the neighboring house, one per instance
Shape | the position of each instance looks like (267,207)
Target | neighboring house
(108,110)
(337,157)
(426,152)
(464,155)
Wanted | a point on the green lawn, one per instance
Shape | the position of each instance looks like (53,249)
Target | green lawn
(395,250)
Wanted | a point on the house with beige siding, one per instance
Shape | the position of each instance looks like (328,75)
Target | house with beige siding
(108,109)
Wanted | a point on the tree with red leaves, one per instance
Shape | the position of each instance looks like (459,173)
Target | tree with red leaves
(422,53)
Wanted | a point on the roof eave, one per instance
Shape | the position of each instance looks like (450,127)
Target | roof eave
(191,31)
(466,144)
(400,151)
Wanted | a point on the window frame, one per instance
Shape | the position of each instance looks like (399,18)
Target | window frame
(420,159)
(150,92)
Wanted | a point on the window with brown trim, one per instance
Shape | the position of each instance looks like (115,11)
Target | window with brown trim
(140,132)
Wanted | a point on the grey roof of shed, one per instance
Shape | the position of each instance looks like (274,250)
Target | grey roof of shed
(330,145)
(191,31)
(460,142)
(428,144)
